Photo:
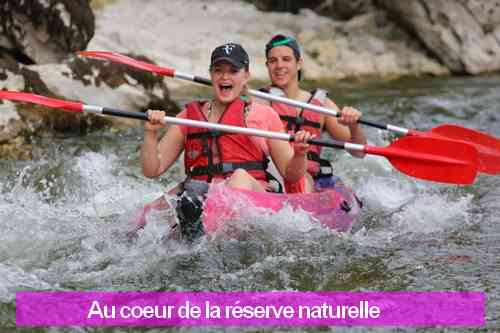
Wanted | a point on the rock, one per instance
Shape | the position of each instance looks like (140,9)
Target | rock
(45,31)
(292,6)
(367,46)
(354,62)
(323,51)
(322,39)
(387,65)
(16,149)
(109,84)
(462,34)
(345,9)
(338,9)
(90,81)
(486,13)
(11,124)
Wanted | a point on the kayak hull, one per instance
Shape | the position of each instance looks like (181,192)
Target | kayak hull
(335,208)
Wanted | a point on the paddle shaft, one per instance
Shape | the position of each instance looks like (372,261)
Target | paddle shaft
(220,127)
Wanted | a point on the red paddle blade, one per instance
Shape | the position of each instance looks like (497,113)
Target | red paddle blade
(432,159)
(120,58)
(488,147)
(42,100)
(466,134)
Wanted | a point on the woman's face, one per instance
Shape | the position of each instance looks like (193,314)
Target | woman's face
(282,66)
(228,81)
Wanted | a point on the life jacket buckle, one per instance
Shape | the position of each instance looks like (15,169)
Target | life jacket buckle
(214,133)
(226,167)
(326,171)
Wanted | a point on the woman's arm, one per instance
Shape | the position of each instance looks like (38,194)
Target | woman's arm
(156,157)
(290,162)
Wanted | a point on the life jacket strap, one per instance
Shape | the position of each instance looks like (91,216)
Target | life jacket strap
(205,135)
(298,122)
(325,166)
(225,168)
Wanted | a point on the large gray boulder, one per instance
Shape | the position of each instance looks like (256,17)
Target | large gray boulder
(44,31)
(339,9)
(344,9)
(292,6)
(462,34)
(369,46)
(87,80)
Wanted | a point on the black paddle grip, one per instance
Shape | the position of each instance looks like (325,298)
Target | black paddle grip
(324,142)
(372,124)
(202,80)
(367,122)
(126,114)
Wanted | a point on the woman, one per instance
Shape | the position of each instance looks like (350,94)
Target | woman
(284,64)
(238,160)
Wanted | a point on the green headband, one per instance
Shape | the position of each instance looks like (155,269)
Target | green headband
(288,41)
(282,42)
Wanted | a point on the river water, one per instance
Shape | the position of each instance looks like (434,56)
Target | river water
(63,217)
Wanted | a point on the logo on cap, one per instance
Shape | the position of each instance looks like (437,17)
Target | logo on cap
(231,52)
(228,48)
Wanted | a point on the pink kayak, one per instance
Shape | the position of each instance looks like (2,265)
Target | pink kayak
(336,208)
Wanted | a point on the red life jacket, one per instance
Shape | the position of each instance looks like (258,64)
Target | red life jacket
(305,120)
(235,151)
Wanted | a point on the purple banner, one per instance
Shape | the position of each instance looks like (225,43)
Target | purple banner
(250,308)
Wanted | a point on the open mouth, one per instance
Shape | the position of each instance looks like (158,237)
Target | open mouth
(225,88)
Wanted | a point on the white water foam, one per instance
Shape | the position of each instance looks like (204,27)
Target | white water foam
(13,279)
(109,191)
(76,235)
(403,206)
(388,193)
(433,213)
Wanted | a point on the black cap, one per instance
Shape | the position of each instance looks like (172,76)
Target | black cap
(279,40)
(231,52)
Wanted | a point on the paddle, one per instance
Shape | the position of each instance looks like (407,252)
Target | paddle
(488,147)
(426,158)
